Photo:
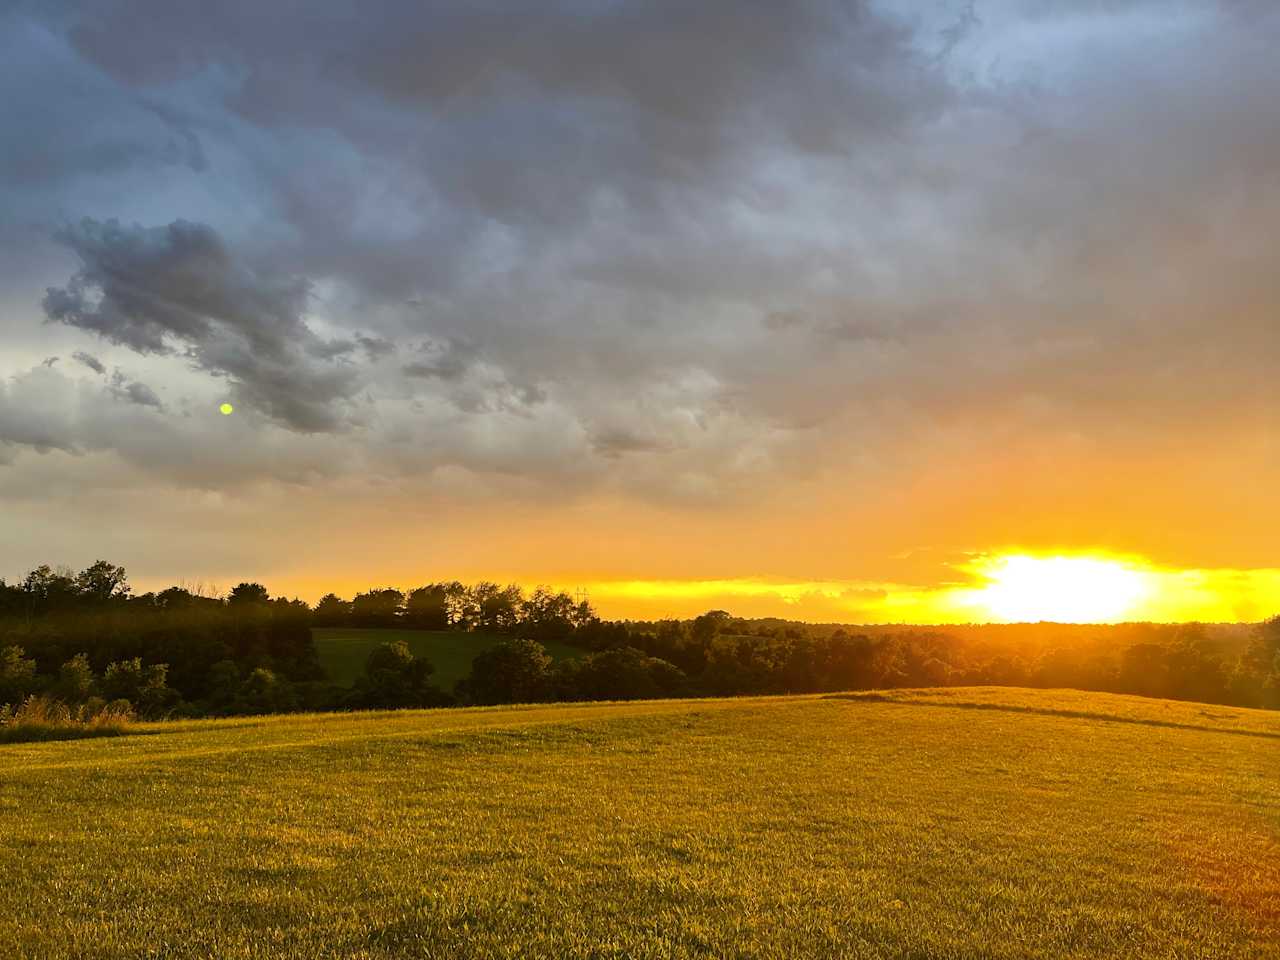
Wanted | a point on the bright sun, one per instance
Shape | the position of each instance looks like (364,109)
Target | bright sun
(1063,589)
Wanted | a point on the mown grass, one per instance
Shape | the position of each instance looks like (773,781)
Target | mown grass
(344,650)
(958,824)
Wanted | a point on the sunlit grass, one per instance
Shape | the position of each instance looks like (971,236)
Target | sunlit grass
(958,823)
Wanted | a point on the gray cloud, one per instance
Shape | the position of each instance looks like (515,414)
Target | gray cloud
(142,395)
(134,391)
(461,126)
(157,289)
(90,361)
(447,360)
(74,121)
(36,411)
(616,441)
(375,347)
(145,287)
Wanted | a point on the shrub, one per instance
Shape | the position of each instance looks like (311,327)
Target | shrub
(514,671)
(145,686)
(264,692)
(394,677)
(17,675)
(44,718)
(75,683)
(624,673)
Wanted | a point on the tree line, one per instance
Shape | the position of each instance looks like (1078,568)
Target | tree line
(86,640)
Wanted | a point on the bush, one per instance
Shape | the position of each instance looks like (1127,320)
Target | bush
(147,687)
(394,678)
(264,692)
(75,683)
(44,718)
(17,675)
(514,671)
(624,673)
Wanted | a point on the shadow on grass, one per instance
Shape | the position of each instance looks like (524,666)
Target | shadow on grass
(41,734)
(1048,712)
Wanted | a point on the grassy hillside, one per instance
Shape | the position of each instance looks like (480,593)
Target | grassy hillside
(343,650)
(956,823)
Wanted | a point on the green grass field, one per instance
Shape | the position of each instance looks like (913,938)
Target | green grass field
(963,823)
(343,650)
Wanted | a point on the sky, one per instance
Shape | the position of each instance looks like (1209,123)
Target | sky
(815,309)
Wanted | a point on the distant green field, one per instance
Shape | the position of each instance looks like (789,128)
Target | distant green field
(964,823)
(343,650)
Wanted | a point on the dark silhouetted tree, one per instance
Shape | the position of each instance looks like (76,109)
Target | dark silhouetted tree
(427,608)
(247,594)
(265,692)
(395,678)
(331,611)
(377,608)
(514,671)
(623,673)
(708,626)
(49,591)
(101,582)
(494,608)
(175,598)
(546,616)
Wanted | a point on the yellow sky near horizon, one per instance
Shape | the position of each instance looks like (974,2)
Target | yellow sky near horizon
(913,545)
(986,588)
(998,589)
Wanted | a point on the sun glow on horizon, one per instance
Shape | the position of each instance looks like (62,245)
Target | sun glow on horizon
(1065,589)
(1012,585)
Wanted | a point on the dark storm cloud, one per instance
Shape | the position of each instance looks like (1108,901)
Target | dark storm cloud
(90,361)
(147,288)
(447,360)
(375,347)
(617,441)
(163,289)
(142,395)
(689,68)
(732,241)
(73,121)
(134,391)
(517,122)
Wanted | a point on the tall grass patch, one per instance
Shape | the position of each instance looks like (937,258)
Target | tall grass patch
(44,718)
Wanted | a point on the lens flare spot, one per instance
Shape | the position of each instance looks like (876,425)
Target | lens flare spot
(226,409)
